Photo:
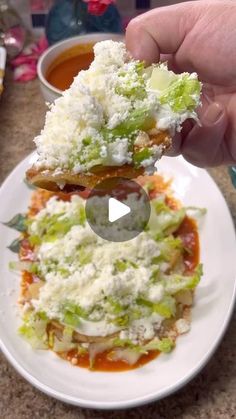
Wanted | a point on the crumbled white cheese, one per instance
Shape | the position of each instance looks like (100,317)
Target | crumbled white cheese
(117,152)
(156,293)
(182,326)
(110,53)
(86,284)
(142,329)
(88,103)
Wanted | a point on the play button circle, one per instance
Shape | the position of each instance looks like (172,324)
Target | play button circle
(117,209)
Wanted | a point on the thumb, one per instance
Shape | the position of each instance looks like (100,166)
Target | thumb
(203,145)
(161,30)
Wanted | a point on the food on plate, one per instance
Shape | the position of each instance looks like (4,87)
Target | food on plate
(99,304)
(116,119)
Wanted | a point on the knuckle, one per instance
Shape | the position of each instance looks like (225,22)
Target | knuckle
(134,26)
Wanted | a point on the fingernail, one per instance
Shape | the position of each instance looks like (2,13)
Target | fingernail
(135,53)
(212,114)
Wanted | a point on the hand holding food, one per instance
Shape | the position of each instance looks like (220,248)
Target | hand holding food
(116,119)
(196,36)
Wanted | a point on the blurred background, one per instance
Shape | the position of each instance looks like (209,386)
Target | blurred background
(28,27)
(34,12)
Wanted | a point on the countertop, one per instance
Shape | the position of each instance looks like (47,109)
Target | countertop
(212,394)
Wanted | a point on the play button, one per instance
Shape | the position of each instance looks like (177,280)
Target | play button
(117,209)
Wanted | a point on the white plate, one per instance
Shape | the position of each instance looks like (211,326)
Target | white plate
(213,306)
(3,56)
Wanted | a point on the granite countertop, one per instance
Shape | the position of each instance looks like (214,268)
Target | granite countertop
(211,394)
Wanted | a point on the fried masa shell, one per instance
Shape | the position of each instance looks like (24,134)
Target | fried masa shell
(66,181)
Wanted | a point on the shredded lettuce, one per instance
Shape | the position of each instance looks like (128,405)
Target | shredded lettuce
(90,152)
(163,220)
(121,265)
(50,228)
(160,78)
(34,331)
(180,91)
(182,94)
(128,355)
(123,342)
(127,343)
(73,313)
(140,156)
(115,306)
(71,319)
(138,119)
(166,307)
(74,308)
(121,321)
(66,342)
(163,345)
(196,213)
(170,249)
(175,282)
(84,256)
(23,266)
(97,348)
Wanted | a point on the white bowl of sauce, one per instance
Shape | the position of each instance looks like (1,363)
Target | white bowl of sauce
(60,63)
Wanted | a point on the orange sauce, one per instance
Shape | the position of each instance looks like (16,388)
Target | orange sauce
(68,64)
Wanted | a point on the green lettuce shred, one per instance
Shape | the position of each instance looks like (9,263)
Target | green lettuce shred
(163,220)
(138,119)
(182,94)
(180,91)
(166,307)
(175,282)
(121,265)
(163,345)
(34,330)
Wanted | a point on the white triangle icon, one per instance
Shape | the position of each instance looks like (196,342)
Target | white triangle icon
(116,209)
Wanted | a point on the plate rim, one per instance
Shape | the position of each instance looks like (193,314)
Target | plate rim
(166,391)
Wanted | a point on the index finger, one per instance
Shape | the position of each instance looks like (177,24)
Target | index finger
(161,30)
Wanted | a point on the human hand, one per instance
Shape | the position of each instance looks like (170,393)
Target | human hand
(196,36)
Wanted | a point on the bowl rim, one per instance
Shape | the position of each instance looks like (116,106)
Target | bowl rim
(82,37)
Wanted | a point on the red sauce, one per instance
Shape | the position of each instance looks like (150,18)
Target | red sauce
(189,236)
(68,64)
(27,254)
(27,278)
(26,251)
(102,363)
